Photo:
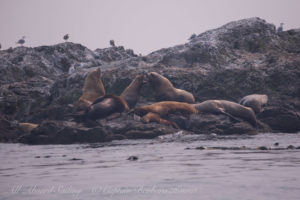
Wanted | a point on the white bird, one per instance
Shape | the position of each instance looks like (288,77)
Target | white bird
(21,41)
(280,28)
(66,37)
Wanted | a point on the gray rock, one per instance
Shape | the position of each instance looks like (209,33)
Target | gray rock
(240,58)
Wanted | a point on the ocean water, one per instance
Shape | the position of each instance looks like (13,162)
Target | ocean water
(168,167)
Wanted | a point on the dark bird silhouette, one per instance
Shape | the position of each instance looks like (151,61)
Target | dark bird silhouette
(280,28)
(21,41)
(193,36)
(0,46)
(112,43)
(66,37)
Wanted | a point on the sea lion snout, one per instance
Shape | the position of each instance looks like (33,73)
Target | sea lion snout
(154,78)
(152,75)
(142,78)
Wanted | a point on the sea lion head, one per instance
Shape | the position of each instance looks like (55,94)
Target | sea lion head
(153,76)
(141,79)
(264,99)
(158,80)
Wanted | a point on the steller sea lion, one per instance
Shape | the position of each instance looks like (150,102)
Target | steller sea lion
(105,106)
(92,89)
(131,93)
(228,108)
(155,111)
(255,101)
(165,91)
(27,127)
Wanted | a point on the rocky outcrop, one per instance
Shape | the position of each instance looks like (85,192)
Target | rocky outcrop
(67,131)
(39,85)
(33,78)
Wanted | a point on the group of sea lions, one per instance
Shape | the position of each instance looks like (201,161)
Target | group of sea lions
(170,100)
(95,104)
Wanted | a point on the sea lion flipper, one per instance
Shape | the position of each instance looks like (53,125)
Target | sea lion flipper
(113,116)
(153,117)
(167,122)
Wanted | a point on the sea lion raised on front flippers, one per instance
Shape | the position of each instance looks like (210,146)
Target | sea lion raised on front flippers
(165,91)
(92,89)
(132,92)
(231,109)
(156,111)
(255,101)
(105,106)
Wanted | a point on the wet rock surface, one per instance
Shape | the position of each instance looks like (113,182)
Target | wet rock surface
(42,84)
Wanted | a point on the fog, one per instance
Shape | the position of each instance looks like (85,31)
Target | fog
(141,25)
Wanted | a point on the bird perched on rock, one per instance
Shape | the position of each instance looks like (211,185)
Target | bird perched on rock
(112,43)
(280,28)
(66,37)
(193,36)
(21,41)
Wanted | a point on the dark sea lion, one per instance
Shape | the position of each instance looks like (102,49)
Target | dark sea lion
(92,89)
(105,106)
(255,101)
(156,111)
(165,91)
(132,92)
(228,108)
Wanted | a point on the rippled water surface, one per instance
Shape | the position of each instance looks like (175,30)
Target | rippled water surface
(167,168)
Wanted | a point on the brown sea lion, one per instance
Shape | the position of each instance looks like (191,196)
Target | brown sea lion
(27,127)
(255,101)
(105,106)
(228,108)
(132,92)
(92,89)
(155,111)
(165,91)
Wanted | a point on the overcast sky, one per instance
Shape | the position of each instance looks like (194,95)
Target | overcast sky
(141,25)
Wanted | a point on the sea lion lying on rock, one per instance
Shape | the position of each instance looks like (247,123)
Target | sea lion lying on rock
(228,108)
(165,91)
(92,89)
(255,101)
(27,127)
(132,92)
(156,111)
(105,106)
